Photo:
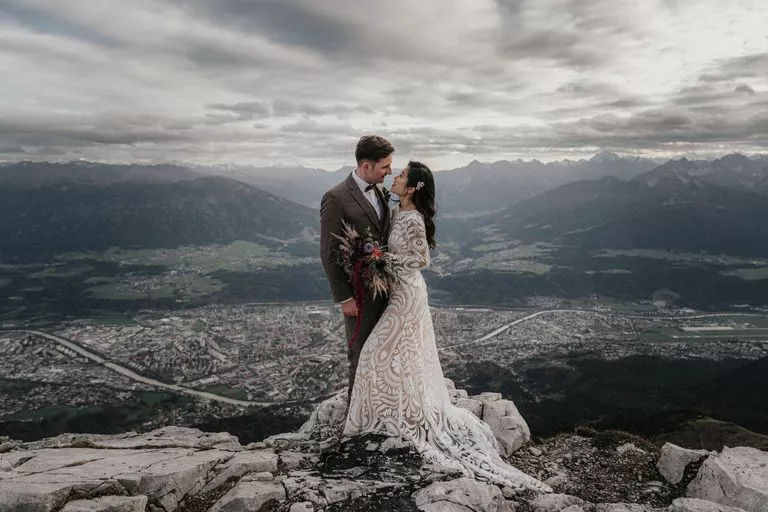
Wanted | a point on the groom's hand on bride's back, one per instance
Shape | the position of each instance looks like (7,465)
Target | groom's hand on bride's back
(349,308)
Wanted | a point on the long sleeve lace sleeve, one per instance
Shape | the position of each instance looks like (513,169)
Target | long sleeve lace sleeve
(416,255)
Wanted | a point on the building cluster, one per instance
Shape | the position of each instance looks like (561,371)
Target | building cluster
(293,353)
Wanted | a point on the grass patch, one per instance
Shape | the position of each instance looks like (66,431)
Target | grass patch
(221,389)
(238,256)
(114,320)
(167,286)
(748,274)
(63,271)
(50,411)
(660,254)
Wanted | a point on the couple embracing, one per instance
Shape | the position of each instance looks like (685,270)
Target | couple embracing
(396,384)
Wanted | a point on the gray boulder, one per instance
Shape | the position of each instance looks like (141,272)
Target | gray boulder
(674,460)
(737,477)
(249,496)
(243,462)
(460,495)
(166,437)
(624,507)
(52,476)
(108,504)
(556,502)
(694,505)
(472,405)
(508,425)
(327,420)
(33,497)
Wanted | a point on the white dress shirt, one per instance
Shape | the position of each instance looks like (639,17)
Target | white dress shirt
(370,195)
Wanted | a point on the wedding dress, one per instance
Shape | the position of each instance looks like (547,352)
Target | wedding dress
(399,388)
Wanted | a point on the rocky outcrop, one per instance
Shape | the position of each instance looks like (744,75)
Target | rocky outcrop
(325,425)
(315,469)
(250,495)
(695,505)
(737,477)
(108,504)
(459,495)
(508,425)
(674,460)
(49,477)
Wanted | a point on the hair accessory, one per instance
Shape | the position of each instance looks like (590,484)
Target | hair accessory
(420,185)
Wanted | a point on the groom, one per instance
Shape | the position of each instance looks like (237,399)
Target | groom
(360,201)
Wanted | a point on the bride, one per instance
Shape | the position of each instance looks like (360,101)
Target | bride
(399,389)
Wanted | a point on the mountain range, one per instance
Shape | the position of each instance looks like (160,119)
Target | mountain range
(717,207)
(476,187)
(680,206)
(46,214)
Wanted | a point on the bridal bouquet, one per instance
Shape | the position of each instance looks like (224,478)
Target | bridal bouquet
(366,263)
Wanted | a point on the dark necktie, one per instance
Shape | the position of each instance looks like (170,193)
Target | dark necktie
(369,187)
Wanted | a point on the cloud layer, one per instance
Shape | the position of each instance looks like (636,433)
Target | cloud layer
(289,81)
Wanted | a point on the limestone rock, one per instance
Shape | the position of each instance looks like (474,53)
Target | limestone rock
(674,459)
(261,476)
(460,495)
(166,437)
(249,496)
(52,475)
(738,477)
(303,506)
(558,482)
(290,441)
(509,506)
(327,420)
(242,463)
(8,461)
(623,507)
(695,505)
(108,504)
(508,425)
(629,448)
(32,497)
(7,445)
(555,502)
(472,405)
(488,397)
(305,485)
(293,460)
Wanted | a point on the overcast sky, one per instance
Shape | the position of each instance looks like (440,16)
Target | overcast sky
(448,81)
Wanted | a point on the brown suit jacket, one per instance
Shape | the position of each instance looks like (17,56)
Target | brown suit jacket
(346,202)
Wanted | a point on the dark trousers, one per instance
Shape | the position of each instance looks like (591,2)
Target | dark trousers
(372,311)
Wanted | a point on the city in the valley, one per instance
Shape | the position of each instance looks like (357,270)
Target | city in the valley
(226,359)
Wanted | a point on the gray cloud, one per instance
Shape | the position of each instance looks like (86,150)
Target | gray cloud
(259,81)
(42,21)
(745,89)
(748,66)
(245,111)
(308,24)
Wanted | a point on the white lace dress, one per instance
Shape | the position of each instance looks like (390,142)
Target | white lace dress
(399,387)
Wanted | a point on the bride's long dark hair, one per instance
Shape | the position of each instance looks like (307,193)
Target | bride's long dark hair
(424,196)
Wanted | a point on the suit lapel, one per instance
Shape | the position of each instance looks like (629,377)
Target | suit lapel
(363,202)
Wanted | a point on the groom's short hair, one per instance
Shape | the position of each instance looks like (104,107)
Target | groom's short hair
(373,148)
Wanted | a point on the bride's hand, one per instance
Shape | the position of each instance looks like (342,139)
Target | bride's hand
(349,308)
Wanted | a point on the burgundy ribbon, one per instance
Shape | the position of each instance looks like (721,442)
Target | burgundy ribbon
(357,282)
